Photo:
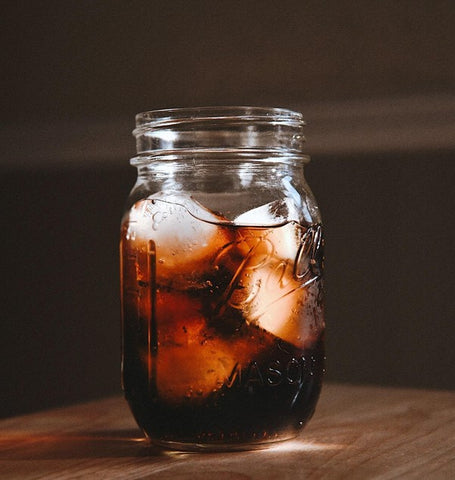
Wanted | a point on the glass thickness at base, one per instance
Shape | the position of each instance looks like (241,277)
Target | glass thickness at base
(181,447)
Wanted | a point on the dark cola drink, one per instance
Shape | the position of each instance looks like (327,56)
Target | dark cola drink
(222,323)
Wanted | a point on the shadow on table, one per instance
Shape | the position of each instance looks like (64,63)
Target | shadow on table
(109,444)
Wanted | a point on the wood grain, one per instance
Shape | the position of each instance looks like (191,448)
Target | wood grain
(358,432)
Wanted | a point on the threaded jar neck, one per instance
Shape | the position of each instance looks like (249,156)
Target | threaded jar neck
(255,131)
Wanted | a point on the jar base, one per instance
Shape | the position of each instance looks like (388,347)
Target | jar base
(188,447)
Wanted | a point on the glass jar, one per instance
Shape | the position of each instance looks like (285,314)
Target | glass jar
(221,264)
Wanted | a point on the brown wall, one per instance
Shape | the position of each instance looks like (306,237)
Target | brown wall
(103,58)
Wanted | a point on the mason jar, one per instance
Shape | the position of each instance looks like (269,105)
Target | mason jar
(221,279)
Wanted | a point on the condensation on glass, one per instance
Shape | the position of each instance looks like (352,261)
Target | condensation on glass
(221,265)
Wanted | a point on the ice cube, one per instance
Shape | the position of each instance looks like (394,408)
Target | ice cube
(192,360)
(185,236)
(286,311)
(267,290)
(274,214)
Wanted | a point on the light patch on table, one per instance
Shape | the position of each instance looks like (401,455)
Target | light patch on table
(296,446)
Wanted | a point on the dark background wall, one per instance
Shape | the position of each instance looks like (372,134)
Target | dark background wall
(376,81)
(68,59)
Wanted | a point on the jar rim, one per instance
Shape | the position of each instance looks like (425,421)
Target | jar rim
(172,116)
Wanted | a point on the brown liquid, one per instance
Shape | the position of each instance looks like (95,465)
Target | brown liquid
(222,326)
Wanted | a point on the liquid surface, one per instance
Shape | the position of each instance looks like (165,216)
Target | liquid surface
(222,323)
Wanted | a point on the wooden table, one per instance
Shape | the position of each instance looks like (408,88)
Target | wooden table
(358,432)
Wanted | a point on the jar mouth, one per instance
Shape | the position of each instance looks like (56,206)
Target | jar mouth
(239,128)
(174,116)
